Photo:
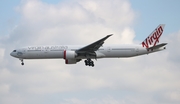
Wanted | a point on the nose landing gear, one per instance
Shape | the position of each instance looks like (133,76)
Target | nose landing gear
(89,62)
(22,63)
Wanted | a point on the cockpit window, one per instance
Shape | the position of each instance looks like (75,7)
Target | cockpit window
(14,51)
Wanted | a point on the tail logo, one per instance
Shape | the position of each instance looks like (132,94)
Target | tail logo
(154,38)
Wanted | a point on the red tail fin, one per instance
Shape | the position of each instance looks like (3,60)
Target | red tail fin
(154,37)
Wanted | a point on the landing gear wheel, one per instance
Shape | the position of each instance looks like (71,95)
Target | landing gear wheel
(92,63)
(89,62)
(22,63)
(86,62)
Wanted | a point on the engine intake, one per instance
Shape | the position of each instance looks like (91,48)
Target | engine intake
(69,54)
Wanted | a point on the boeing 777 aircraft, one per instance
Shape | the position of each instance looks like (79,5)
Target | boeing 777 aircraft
(73,54)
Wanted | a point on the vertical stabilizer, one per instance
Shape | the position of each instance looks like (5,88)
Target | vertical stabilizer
(154,37)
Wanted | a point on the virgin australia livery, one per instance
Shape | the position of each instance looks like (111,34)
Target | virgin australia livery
(73,54)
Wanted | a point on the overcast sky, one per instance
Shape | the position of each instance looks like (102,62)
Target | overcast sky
(148,79)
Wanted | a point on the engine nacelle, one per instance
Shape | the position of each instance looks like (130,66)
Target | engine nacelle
(69,54)
(71,61)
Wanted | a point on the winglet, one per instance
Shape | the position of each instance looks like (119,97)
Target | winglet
(109,35)
(154,37)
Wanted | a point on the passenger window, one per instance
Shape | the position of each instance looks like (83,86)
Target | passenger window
(14,51)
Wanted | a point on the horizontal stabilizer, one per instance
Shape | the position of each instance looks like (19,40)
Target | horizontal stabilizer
(157,46)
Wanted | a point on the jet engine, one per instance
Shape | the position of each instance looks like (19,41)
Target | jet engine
(70,57)
(71,61)
(69,54)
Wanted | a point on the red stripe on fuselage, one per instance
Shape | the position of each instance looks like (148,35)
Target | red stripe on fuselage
(66,61)
(64,54)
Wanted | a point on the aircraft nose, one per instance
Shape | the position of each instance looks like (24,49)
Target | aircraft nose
(12,54)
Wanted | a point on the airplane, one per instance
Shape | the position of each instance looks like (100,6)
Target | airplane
(74,53)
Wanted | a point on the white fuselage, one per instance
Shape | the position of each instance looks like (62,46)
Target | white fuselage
(57,51)
(73,54)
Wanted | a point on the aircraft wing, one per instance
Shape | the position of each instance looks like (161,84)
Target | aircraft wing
(92,47)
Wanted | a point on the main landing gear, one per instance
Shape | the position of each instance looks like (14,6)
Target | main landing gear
(22,63)
(89,62)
